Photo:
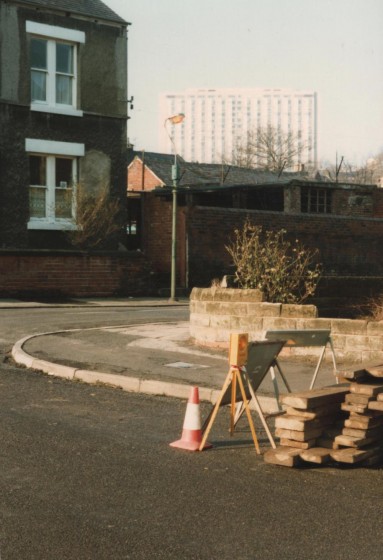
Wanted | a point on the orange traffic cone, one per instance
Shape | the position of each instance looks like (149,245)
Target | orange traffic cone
(191,432)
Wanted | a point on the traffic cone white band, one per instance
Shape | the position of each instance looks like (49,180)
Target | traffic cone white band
(192,417)
(191,432)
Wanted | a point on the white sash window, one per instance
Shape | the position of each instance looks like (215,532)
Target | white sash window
(53,62)
(53,171)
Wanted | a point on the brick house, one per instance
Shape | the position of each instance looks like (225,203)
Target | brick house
(344,221)
(63,121)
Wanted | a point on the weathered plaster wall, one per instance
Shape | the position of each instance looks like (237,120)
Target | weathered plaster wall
(102,68)
(102,95)
(95,172)
(9,52)
(96,133)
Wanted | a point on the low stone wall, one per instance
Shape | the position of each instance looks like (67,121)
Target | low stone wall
(217,312)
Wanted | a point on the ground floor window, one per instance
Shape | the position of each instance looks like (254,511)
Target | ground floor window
(52,185)
(315,200)
(51,190)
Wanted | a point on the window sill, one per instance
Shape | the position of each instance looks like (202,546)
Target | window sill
(57,109)
(60,225)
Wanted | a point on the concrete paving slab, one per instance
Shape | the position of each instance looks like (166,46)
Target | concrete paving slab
(140,358)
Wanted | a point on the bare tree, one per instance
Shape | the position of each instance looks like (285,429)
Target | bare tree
(374,166)
(268,148)
(346,172)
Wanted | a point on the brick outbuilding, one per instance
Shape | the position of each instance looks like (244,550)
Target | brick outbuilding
(344,221)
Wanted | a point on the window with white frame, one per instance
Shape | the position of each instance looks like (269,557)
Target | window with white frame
(53,171)
(53,63)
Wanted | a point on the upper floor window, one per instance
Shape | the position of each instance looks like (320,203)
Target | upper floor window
(52,72)
(53,62)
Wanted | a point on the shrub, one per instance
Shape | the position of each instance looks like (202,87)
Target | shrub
(97,219)
(285,271)
(373,309)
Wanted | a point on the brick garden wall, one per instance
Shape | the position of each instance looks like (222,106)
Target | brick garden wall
(55,274)
(217,312)
(351,251)
(378,202)
(157,232)
(348,246)
(157,237)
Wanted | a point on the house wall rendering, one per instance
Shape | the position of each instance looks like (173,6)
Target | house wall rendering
(63,127)
(63,115)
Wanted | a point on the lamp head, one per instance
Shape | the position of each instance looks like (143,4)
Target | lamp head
(176,119)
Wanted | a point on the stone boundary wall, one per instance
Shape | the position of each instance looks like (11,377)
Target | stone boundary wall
(217,312)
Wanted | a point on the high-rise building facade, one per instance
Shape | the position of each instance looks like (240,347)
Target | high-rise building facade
(216,119)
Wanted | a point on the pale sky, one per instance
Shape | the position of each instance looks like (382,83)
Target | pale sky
(334,47)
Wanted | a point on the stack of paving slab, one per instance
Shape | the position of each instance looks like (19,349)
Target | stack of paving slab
(363,429)
(341,424)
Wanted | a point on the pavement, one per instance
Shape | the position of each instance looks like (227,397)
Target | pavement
(152,358)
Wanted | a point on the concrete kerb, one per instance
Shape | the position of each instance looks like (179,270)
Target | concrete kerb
(126,383)
(19,355)
(94,302)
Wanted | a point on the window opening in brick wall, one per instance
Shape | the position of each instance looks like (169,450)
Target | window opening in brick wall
(133,228)
(52,73)
(51,190)
(315,200)
(53,66)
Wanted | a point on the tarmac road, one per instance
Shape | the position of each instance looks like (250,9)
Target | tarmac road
(87,473)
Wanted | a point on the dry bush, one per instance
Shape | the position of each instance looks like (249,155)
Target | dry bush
(286,272)
(374,308)
(96,219)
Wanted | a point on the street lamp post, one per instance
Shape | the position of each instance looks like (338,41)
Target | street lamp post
(176,119)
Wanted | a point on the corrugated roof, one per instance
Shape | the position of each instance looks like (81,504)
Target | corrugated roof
(92,8)
(210,174)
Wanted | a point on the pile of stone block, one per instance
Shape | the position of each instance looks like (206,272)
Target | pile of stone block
(341,424)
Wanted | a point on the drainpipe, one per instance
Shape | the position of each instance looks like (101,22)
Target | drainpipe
(143,171)
(187,249)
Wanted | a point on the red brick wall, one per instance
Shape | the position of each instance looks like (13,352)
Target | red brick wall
(378,202)
(136,181)
(157,232)
(73,274)
(348,246)
(350,200)
(353,202)
(157,235)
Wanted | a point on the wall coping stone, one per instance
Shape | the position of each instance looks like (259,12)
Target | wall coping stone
(216,293)
(69,253)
